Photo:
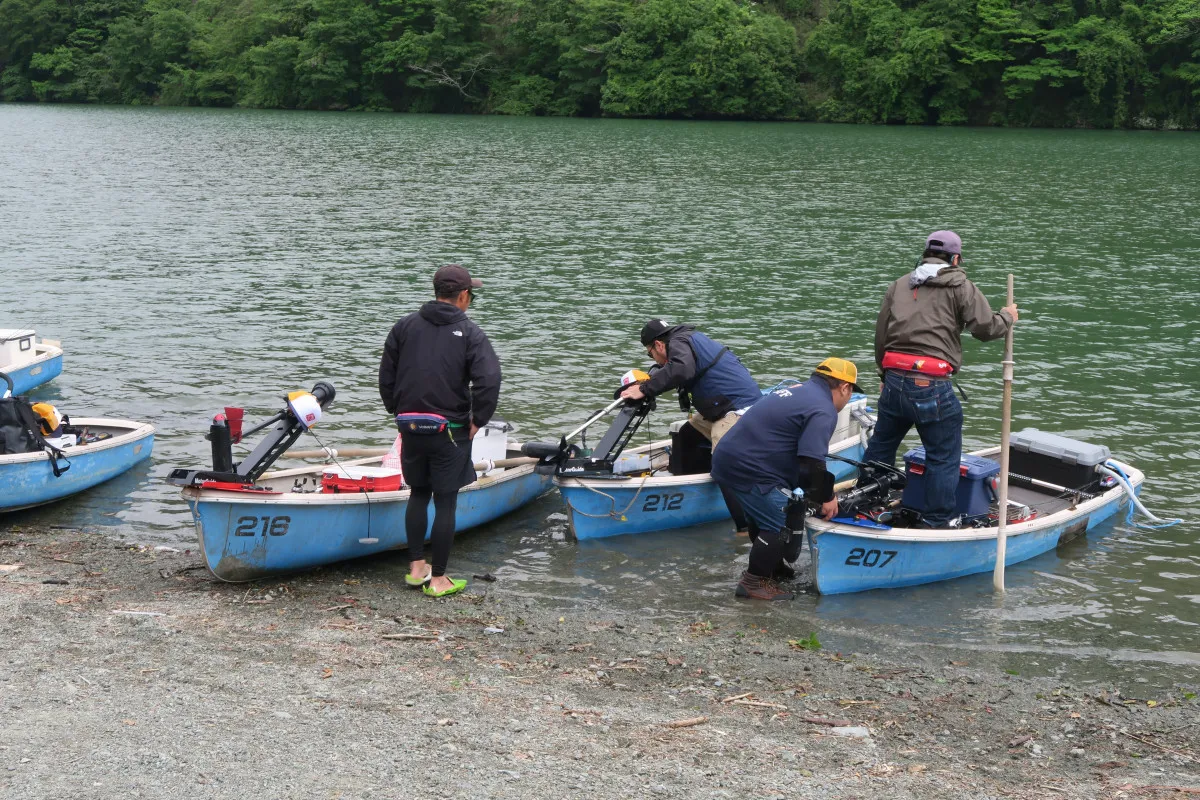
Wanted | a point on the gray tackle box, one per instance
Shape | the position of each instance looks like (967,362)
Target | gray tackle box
(1054,459)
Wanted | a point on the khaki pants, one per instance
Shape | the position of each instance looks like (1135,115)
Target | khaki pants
(714,430)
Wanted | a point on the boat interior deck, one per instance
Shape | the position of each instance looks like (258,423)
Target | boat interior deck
(1043,501)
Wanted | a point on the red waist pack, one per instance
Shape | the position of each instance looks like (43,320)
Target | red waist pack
(923,364)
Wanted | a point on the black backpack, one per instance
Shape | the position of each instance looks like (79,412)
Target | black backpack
(20,432)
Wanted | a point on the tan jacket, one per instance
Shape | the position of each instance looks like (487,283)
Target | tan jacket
(928,319)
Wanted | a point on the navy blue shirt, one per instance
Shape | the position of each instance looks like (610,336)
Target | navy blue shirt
(762,448)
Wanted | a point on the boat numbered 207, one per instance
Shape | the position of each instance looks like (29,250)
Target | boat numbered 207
(1059,489)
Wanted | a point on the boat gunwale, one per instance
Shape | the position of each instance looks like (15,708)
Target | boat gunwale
(818,527)
(286,497)
(640,482)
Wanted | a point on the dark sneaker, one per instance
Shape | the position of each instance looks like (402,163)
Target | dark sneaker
(757,588)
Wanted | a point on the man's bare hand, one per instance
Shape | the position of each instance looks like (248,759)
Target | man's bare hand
(1012,311)
(829,510)
(474,430)
(633,392)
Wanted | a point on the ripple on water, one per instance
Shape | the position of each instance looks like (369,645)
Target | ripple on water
(220,257)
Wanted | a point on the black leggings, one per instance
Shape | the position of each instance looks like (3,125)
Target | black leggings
(416,522)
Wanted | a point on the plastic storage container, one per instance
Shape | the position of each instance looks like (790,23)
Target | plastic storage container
(337,480)
(1055,459)
(975,493)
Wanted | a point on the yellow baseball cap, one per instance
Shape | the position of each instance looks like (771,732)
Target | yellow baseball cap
(841,369)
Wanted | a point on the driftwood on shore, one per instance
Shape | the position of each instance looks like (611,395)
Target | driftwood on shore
(687,723)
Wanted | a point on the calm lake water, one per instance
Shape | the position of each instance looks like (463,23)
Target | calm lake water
(192,259)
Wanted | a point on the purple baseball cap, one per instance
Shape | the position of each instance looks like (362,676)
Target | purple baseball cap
(946,241)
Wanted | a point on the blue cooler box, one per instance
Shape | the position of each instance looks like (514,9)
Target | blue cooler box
(975,475)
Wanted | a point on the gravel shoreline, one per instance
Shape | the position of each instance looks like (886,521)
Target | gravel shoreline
(129,671)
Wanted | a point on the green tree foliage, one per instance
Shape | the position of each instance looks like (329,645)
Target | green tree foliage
(1097,63)
(702,58)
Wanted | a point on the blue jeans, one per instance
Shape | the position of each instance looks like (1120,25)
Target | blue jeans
(936,412)
(766,509)
(766,515)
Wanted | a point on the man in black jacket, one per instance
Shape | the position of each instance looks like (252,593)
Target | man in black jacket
(438,368)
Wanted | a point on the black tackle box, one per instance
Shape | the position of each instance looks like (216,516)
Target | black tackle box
(1054,459)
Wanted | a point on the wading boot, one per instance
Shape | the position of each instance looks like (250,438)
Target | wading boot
(757,588)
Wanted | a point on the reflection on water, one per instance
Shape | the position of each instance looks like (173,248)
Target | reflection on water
(192,259)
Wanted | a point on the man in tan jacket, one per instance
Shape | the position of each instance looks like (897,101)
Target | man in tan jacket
(917,348)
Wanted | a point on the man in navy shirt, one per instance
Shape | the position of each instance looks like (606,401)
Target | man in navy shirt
(779,445)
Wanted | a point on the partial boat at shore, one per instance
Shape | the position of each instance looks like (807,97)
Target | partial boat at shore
(29,479)
(27,360)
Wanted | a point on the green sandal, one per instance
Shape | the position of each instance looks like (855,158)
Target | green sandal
(417,583)
(459,585)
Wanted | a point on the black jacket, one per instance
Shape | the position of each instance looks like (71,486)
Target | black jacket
(438,360)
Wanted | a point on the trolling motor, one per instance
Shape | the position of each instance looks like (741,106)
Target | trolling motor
(564,458)
(875,485)
(302,411)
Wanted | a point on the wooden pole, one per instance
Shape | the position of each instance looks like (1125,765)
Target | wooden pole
(1005,430)
(346,452)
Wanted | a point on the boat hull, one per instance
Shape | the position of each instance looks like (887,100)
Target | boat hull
(601,507)
(245,536)
(45,366)
(849,558)
(27,479)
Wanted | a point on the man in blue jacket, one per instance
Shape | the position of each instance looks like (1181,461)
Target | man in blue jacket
(781,445)
(709,374)
(438,364)
(709,377)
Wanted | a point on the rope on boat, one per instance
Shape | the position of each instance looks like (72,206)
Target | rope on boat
(1110,468)
(619,516)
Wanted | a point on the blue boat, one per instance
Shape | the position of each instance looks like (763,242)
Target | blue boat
(28,361)
(28,479)
(603,505)
(657,500)
(254,524)
(857,554)
(285,523)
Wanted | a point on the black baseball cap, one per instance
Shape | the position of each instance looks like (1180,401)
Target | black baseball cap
(654,329)
(453,278)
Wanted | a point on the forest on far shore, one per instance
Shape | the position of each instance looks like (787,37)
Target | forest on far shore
(1048,63)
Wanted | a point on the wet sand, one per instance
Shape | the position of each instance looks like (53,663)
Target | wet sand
(131,672)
